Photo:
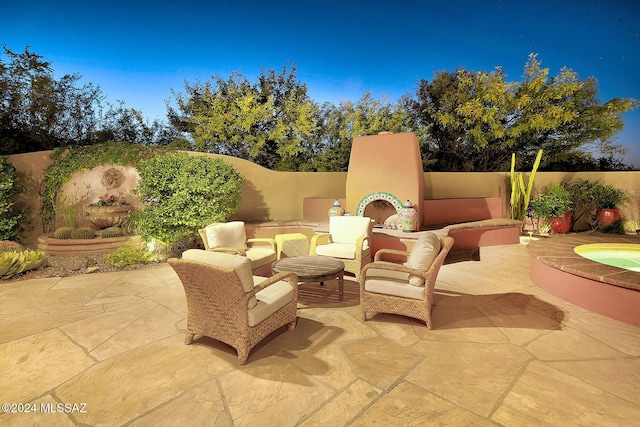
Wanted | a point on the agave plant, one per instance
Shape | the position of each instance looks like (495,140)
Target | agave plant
(15,262)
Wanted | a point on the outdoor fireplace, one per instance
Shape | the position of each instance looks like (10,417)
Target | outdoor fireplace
(385,170)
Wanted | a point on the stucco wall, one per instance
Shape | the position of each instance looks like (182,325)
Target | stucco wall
(279,196)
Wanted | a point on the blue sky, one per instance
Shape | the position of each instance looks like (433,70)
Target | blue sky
(138,51)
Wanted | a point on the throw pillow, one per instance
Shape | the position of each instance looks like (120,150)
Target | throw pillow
(424,251)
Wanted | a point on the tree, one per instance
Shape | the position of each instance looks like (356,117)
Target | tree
(340,124)
(268,122)
(39,112)
(476,120)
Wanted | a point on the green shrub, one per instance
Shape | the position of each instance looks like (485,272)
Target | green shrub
(589,196)
(183,193)
(552,202)
(129,255)
(10,217)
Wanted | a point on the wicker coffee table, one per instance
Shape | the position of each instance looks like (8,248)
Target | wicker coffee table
(313,269)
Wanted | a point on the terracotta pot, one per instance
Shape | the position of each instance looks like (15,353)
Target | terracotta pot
(607,216)
(108,216)
(561,224)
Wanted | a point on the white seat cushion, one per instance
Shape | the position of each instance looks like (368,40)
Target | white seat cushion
(226,235)
(424,251)
(347,229)
(270,300)
(337,250)
(392,283)
(260,256)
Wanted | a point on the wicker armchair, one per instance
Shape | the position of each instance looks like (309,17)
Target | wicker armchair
(227,303)
(386,287)
(231,237)
(347,240)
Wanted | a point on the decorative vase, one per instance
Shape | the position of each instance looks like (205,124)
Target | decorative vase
(108,216)
(561,224)
(607,216)
(336,209)
(408,217)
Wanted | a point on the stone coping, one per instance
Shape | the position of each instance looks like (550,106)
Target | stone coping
(439,229)
(557,252)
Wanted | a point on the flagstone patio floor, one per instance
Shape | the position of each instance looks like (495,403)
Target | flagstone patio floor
(502,352)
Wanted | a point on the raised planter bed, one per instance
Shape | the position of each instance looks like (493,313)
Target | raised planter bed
(84,246)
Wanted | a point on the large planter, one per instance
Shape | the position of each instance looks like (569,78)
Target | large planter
(561,224)
(108,216)
(607,216)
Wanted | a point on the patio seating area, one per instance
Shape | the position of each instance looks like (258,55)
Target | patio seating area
(501,352)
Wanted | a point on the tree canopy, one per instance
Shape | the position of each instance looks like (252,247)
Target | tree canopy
(477,119)
(464,120)
(269,122)
(40,112)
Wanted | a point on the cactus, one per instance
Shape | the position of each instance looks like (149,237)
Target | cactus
(15,262)
(83,233)
(8,245)
(520,196)
(112,232)
(63,233)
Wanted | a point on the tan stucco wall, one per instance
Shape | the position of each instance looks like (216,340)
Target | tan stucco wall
(279,196)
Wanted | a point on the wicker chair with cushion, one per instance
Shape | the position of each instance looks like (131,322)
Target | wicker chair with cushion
(347,240)
(405,289)
(231,237)
(227,303)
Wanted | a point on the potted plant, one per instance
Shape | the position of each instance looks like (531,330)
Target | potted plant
(608,200)
(553,204)
(108,211)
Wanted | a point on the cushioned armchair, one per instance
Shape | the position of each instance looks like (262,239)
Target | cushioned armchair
(347,240)
(227,303)
(405,289)
(231,237)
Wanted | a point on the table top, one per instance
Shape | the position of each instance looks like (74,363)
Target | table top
(309,267)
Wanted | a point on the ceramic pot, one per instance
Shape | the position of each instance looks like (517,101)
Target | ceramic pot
(607,216)
(336,209)
(561,224)
(408,218)
(108,216)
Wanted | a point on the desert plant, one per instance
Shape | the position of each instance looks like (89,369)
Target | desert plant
(520,197)
(630,226)
(112,232)
(553,201)
(129,255)
(589,196)
(10,217)
(183,193)
(583,194)
(83,233)
(63,233)
(610,197)
(8,245)
(16,262)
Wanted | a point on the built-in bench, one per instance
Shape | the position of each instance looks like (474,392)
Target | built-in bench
(472,222)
